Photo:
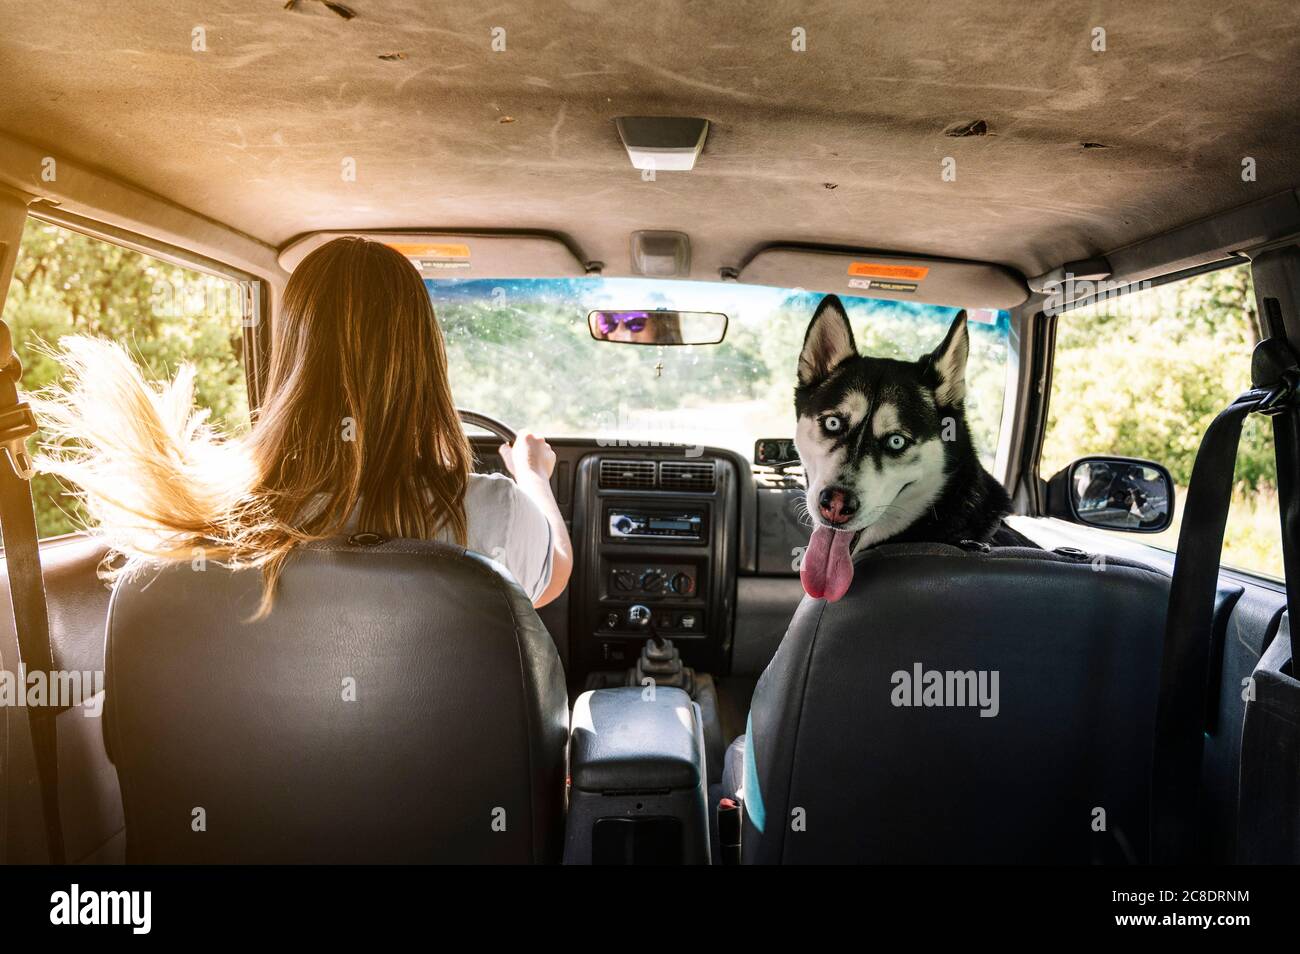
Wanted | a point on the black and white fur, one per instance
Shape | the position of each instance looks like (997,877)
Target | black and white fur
(892,434)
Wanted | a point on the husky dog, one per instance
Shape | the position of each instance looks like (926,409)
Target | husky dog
(885,450)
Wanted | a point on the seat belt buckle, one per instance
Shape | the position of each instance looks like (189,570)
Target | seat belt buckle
(1279,397)
(16,425)
(729,830)
(1275,371)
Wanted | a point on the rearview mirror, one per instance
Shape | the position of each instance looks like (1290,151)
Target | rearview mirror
(1114,493)
(658,327)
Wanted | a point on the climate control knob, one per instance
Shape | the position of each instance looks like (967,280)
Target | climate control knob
(652,581)
(682,585)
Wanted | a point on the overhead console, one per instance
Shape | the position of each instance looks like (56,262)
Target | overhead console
(655,536)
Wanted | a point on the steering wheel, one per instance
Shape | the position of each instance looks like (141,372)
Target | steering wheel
(487,423)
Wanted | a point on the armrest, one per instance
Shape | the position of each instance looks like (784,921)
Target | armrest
(620,741)
(638,780)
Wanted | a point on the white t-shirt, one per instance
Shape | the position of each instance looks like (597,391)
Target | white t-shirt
(504,524)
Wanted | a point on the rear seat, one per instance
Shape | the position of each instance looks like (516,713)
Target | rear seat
(90,799)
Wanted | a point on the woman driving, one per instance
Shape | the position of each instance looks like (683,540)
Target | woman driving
(358,431)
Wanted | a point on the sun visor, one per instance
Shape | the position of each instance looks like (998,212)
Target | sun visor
(870,275)
(462,254)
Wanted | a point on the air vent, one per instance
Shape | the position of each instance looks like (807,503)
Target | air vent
(687,475)
(627,474)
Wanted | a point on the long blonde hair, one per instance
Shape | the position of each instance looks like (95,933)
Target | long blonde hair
(358,415)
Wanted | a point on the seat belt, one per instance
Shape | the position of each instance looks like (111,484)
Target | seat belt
(26,585)
(1185,663)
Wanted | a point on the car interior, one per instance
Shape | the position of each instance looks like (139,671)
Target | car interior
(651,205)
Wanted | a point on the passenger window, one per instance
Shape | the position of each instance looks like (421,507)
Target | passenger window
(1144,374)
(68,283)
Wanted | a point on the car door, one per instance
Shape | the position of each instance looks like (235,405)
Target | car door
(67,282)
(1143,375)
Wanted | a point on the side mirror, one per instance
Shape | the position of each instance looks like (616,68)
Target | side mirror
(1114,493)
(775,452)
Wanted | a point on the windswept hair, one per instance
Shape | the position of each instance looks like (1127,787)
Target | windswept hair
(358,417)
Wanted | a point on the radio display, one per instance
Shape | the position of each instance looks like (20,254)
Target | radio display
(659,523)
(633,524)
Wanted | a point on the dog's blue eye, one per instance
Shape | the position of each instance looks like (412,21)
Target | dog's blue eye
(832,424)
(895,442)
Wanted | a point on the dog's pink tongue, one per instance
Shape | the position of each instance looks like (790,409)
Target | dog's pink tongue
(827,570)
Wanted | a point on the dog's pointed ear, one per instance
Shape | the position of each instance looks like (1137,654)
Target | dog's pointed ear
(947,364)
(827,342)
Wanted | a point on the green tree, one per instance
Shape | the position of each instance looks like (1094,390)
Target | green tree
(1143,375)
(68,283)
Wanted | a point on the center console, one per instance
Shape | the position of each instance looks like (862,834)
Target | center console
(638,792)
(655,540)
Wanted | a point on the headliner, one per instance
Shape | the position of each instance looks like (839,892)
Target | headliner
(839,145)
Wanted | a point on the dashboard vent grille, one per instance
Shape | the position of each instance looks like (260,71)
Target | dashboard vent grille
(627,474)
(687,475)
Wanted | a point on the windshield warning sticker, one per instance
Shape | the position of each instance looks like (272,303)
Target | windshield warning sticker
(430,249)
(882,285)
(906,273)
(433,254)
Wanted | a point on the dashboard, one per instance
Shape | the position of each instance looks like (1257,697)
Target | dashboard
(661,534)
(656,535)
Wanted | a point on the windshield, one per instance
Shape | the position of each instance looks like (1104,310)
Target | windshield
(520,350)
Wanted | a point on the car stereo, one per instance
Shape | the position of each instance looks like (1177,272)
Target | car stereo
(687,526)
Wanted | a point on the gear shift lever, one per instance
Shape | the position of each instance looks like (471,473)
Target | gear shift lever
(640,617)
(659,659)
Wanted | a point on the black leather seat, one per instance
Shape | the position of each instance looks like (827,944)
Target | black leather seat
(836,771)
(401,703)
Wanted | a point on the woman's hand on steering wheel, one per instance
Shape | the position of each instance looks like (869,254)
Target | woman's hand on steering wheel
(528,454)
(522,453)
